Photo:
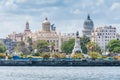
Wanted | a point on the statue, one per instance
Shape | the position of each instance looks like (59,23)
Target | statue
(77,46)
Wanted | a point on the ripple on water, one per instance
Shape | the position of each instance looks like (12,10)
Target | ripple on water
(59,73)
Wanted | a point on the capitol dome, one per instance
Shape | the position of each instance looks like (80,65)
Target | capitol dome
(88,24)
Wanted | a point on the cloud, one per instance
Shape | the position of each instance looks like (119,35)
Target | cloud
(115,6)
(76,11)
(66,14)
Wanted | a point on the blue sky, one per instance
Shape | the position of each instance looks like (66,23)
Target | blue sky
(67,15)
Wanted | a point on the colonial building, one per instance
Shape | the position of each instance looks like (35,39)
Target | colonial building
(21,36)
(88,26)
(49,34)
(102,35)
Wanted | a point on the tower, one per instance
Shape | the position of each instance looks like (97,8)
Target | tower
(88,26)
(46,25)
(77,46)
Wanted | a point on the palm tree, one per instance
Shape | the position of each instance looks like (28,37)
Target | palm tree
(91,46)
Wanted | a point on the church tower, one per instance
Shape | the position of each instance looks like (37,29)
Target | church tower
(27,32)
(88,26)
(27,29)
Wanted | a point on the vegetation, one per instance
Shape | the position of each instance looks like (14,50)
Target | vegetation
(2,48)
(67,46)
(114,46)
(77,56)
(92,47)
(84,41)
(95,55)
(21,47)
(41,46)
(46,55)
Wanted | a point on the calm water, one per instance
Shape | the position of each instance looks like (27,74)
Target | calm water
(59,73)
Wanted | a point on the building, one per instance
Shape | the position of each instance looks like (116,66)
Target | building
(49,34)
(10,44)
(118,36)
(88,26)
(102,35)
(21,36)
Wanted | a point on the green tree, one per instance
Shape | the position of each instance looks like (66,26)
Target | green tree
(67,46)
(113,46)
(29,41)
(84,40)
(2,48)
(91,46)
(41,46)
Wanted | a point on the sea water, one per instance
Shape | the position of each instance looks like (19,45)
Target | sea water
(59,73)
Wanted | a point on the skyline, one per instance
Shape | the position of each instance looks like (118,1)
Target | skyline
(65,14)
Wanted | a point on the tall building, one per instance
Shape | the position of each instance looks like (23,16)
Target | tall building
(102,35)
(88,26)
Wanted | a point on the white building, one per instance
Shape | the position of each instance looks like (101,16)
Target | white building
(102,35)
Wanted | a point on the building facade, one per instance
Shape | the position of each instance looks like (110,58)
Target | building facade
(88,26)
(48,33)
(102,35)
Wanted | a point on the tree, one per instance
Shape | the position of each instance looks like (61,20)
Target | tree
(83,41)
(41,46)
(2,48)
(94,55)
(67,46)
(114,46)
(91,46)
(29,41)
(21,47)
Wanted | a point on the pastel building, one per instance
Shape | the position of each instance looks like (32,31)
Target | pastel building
(48,33)
(102,35)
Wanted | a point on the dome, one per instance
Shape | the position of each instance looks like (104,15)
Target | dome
(46,21)
(88,24)
(46,25)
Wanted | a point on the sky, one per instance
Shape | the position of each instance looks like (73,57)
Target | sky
(67,15)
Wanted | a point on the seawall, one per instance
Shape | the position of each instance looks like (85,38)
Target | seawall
(58,63)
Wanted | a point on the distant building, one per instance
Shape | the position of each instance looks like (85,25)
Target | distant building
(10,44)
(21,36)
(118,36)
(102,35)
(49,34)
(88,26)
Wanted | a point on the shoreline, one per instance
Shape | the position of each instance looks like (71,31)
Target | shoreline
(58,63)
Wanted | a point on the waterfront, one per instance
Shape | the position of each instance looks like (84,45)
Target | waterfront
(59,73)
